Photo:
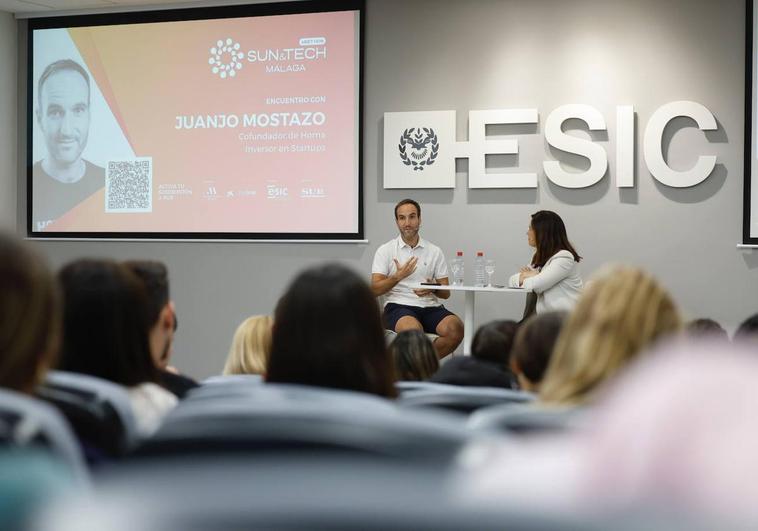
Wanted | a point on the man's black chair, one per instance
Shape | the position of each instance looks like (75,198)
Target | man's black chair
(98,411)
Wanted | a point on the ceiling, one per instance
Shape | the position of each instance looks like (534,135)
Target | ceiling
(34,8)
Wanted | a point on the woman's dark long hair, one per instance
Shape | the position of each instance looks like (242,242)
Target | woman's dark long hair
(105,323)
(328,333)
(550,235)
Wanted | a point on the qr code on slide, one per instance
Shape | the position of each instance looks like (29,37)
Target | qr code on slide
(129,185)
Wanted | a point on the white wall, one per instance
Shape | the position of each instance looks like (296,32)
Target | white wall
(447,54)
(8,105)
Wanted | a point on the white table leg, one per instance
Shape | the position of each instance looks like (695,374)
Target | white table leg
(468,323)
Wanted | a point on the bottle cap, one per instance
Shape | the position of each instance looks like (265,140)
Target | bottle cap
(459,253)
(479,253)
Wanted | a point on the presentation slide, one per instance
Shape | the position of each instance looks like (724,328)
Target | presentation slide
(239,127)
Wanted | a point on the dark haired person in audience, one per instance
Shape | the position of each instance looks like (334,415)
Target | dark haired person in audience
(328,333)
(554,273)
(407,260)
(29,316)
(162,315)
(748,330)
(105,334)
(623,312)
(488,364)
(414,355)
(533,347)
(706,328)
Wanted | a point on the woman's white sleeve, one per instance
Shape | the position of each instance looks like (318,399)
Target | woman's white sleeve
(556,270)
(513,281)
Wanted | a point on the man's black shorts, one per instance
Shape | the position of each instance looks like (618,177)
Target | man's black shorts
(428,317)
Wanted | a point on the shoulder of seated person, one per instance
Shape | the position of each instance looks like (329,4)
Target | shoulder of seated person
(563,253)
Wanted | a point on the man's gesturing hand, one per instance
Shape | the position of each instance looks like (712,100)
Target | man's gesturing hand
(405,269)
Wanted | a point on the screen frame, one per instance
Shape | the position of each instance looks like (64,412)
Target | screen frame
(202,13)
(750,123)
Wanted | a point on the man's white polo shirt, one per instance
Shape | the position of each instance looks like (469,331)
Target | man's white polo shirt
(431,264)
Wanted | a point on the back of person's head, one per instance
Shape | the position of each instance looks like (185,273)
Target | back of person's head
(251,346)
(154,276)
(414,355)
(105,323)
(29,316)
(160,309)
(705,327)
(748,330)
(533,347)
(328,333)
(620,314)
(493,342)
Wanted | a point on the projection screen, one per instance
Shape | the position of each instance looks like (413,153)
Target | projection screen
(240,122)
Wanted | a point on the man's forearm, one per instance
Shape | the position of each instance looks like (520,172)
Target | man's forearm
(442,293)
(380,287)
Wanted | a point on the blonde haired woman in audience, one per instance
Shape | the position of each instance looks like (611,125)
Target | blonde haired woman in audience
(251,347)
(620,314)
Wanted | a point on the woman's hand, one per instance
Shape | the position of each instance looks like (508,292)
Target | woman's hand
(524,273)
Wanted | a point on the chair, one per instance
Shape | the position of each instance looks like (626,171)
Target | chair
(224,379)
(277,418)
(99,412)
(522,419)
(389,336)
(282,492)
(29,423)
(405,386)
(460,399)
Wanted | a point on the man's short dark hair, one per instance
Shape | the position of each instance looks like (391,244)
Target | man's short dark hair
(60,66)
(154,275)
(408,202)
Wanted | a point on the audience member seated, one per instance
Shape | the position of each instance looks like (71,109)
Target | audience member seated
(488,364)
(533,347)
(105,334)
(748,330)
(414,356)
(328,333)
(251,347)
(162,315)
(620,314)
(29,316)
(656,441)
(704,327)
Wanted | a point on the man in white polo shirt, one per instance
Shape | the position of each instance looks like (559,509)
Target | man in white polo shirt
(407,260)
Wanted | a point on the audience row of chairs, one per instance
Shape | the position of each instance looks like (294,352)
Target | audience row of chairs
(242,415)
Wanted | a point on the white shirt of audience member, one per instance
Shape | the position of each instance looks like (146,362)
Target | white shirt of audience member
(150,403)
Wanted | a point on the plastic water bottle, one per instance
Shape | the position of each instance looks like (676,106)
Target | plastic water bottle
(457,266)
(480,277)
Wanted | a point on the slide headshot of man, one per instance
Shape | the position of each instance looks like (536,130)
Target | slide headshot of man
(63,179)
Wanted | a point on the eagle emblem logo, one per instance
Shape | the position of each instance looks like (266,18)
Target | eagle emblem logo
(418,147)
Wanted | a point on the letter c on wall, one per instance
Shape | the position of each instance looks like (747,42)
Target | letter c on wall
(654,153)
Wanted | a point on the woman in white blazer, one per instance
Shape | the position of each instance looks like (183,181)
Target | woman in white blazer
(553,274)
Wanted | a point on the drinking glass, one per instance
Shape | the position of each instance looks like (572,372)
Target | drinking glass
(489,268)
